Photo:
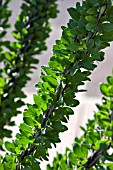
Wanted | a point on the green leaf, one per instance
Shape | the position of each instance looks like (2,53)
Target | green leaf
(24,127)
(1,167)
(91,19)
(87,64)
(35,165)
(108,36)
(8,56)
(10,146)
(76,46)
(57,125)
(110,15)
(29,121)
(78,78)
(80,151)
(74,13)
(10,158)
(2,34)
(107,27)
(37,99)
(16,35)
(51,80)
(63,164)
(110,80)
(71,102)
(24,140)
(73,158)
(55,65)
(106,90)
(2,82)
(65,111)
(90,26)
(52,134)
(109,165)
(10,165)
(84,151)
(90,43)
(97,41)
(92,10)
(95,54)
(49,72)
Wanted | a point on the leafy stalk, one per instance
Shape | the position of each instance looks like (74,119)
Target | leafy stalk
(74,57)
(32,28)
(5,13)
(96,141)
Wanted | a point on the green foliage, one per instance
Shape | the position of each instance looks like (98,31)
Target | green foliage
(95,141)
(32,28)
(5,13)
(73,60)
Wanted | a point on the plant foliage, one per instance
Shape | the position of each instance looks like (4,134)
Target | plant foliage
(88,32)
(96,141)
(32,28)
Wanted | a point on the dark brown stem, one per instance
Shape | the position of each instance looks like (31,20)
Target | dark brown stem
(95,157)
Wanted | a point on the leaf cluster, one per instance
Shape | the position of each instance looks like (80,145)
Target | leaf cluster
(92,149)
(32,28)
(74,58)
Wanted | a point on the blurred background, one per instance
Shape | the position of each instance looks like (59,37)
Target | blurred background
(87,100)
